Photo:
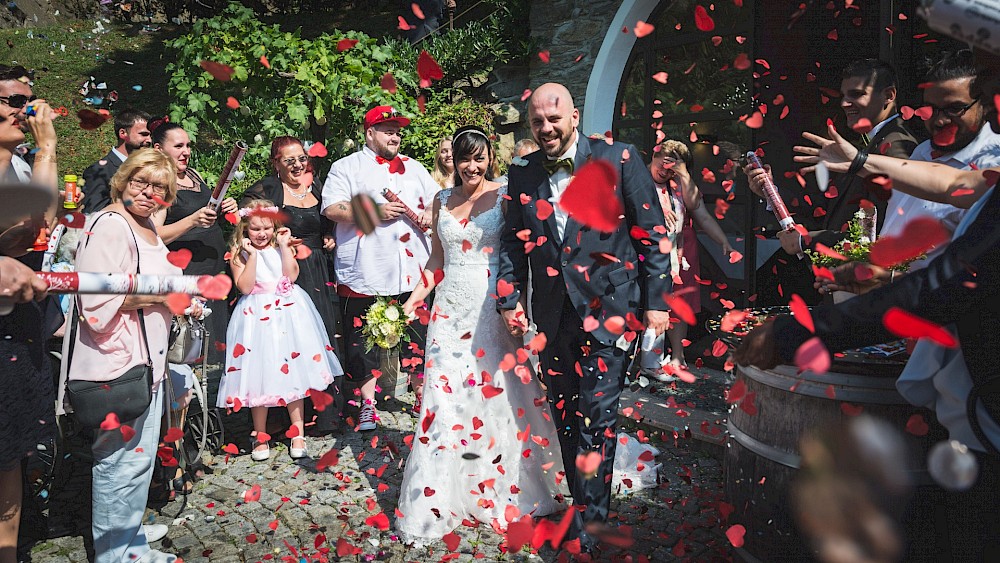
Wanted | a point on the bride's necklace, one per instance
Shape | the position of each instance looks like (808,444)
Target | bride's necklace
(296,195)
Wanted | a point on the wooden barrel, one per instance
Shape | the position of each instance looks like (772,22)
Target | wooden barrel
(762,457)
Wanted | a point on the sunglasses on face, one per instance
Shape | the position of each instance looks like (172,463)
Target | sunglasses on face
(17,101)
(291,161)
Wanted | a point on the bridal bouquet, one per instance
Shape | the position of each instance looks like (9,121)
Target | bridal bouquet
(385,325)
(857,246)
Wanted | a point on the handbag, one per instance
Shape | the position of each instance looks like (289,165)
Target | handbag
(127,396)
(187,336)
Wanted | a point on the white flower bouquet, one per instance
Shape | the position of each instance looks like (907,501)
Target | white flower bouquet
(385,325)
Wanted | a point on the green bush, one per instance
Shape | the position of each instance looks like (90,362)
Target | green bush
(440,119)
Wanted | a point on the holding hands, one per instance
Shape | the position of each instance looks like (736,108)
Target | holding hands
(516,320)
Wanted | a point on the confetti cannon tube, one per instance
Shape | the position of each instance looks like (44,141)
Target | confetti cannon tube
(50,251)
(774,200)
(226,177)
(120,284)
(413,217)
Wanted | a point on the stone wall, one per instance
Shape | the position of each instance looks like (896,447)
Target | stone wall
(568,30)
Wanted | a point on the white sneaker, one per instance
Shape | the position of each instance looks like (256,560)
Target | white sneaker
(154,532)
(659,375)
(368,419)
(157,556)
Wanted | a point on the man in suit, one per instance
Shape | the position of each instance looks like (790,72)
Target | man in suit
(132,133)
(589,290)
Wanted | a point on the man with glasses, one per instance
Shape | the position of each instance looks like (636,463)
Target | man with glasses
(960,138)
(132,133)
(388,261)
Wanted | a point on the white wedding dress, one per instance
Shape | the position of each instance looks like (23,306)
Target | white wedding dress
(485,448)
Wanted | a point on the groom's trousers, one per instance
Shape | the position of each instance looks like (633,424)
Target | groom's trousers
(584,379)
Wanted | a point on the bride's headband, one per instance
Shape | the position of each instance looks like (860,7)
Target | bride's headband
(476,131)
(245,212)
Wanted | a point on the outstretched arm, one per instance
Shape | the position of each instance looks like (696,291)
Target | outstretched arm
(925,180)
(435,263)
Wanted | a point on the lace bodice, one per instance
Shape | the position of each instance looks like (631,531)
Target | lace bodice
(476,241)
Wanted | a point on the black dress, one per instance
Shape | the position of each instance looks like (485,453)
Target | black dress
(208,251)
(27,403)
(309,224)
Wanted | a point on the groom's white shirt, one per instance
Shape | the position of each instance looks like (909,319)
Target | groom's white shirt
(558,183)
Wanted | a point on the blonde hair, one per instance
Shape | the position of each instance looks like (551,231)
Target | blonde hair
(156,167)
(440,175)
(678,150)
(240,232)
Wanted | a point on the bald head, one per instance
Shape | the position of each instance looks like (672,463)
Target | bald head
(553,118)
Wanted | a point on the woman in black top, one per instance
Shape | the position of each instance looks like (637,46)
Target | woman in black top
(189,224)
(296,192)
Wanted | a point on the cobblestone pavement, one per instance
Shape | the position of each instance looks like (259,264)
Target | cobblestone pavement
(304,514)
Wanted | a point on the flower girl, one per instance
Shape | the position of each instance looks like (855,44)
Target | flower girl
(277,348)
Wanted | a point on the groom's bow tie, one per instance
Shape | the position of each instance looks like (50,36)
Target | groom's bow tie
(553,166)
(395,165)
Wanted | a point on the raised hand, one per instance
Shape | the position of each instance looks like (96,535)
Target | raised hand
(757,178)
(836,152)
(284,237)
(248,247)
(229,205)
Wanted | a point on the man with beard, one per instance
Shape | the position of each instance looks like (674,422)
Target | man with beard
(132,133)
(959,138)
(388,261)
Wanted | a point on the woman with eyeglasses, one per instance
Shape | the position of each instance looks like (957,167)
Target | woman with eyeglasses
(297,193)
(112,337)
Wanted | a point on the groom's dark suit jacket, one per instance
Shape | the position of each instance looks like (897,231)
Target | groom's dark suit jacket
(596,286)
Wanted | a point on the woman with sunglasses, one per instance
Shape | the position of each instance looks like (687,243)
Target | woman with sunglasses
(297,193)
(27,417)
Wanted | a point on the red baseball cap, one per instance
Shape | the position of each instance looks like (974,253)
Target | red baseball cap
(384,114)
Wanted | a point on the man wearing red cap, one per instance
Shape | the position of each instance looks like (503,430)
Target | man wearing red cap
(386,262)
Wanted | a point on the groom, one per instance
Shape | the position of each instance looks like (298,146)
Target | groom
(585,285)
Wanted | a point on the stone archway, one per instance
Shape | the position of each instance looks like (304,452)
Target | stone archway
(609,66)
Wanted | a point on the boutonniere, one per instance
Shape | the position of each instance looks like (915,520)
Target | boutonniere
(518,161)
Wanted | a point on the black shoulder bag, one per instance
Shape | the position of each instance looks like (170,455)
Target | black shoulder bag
(127,396)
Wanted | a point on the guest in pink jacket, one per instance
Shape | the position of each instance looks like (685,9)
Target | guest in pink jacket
(123,239)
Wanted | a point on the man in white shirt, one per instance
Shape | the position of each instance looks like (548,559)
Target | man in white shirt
(386,262)
(959,138)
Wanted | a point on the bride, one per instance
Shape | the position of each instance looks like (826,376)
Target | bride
(485,448)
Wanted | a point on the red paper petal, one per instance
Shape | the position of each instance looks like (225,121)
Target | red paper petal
(428,69)
(918,236)
(590,197)
(702,20)
(801,312)
(90,119)
(681,308)
(218,70)
(345,44)
(907,325)
(389,83)
(735,535)
(946,135)
(318,150)
(180,258)
(232,103)
(643,29)
(215,287)
(812,355)
(178,302)
(265,62)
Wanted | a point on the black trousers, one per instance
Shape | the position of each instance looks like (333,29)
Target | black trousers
(585,380)
(358,364)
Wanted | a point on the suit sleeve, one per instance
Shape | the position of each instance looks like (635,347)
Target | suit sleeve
(643,210)
(958,284)
(513,268)
(96,188)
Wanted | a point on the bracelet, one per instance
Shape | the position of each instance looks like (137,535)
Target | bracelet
(39,157)
(858,163)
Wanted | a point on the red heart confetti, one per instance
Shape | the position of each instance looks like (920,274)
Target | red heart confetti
(90,119)
(232,103)
(127,432)
(801,312)
(173,434)
(702,20)
(945,137)
(917,426)
(813,356)
(544,56)
(907,325)
(643,29)
(178,303)
(215,287)
(345,44)
(110,422)
(329,459)
(586,465)
(918,236)
(590,197)
(388,83)
(180,258)
(428,69)
(318,150)
(218,71)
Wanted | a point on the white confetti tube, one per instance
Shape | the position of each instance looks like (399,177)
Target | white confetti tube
(119,284)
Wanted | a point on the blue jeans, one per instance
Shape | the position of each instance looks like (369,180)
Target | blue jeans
(121,474)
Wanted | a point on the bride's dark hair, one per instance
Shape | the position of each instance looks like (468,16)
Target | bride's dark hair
(470,141)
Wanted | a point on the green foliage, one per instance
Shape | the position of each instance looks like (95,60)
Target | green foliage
(856,247)
(441,119)
(315,91)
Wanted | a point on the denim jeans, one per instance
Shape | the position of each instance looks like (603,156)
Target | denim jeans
(121,475)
